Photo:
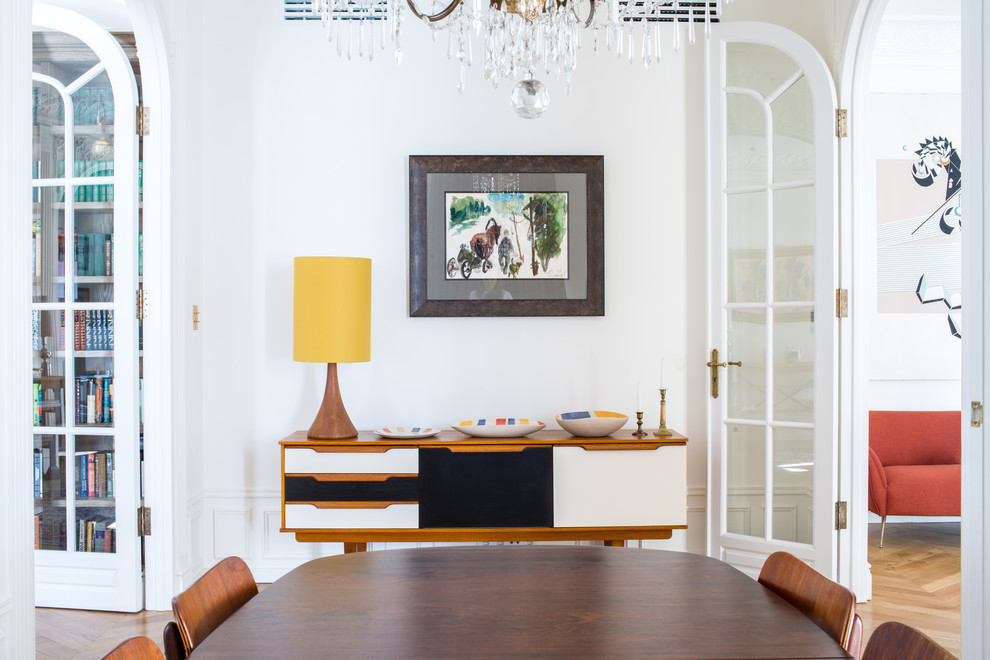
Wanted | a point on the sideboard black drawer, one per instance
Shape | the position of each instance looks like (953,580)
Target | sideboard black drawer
(486,489)
(312,489)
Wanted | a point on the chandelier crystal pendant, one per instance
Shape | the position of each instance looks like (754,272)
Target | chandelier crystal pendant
(520,36)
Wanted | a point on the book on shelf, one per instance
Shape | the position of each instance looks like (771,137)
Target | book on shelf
(91,475)
(36,400)
(36,329)
(38,487)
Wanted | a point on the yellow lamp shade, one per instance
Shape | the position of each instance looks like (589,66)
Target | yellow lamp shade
(331,309)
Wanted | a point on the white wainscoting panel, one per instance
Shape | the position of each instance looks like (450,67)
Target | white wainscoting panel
(231,532)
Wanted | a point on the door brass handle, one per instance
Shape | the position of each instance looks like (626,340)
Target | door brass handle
(713,365)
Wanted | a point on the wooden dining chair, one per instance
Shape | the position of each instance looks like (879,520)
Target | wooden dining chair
(174,648)
(830,605)
(135,648)
(211,599)
(854,646)
(895,641)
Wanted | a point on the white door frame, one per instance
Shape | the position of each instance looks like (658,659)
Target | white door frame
(857,274)
(976,307)
(159,412)
(853,92)
(17,554)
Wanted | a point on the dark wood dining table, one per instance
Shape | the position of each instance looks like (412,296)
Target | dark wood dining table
(517,601)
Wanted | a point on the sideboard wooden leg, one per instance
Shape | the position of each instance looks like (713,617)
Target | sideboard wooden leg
(354,546)
(615,543)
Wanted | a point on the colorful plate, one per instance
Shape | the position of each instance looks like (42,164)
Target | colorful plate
(591,423)
(498,427)
(399,432)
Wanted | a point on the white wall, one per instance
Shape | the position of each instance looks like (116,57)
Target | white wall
(282,150)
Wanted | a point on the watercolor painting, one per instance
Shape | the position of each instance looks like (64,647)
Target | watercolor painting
(506,235)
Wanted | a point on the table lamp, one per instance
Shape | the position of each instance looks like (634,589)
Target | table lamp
(331,322)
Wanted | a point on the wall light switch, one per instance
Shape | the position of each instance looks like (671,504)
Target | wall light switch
(195,317)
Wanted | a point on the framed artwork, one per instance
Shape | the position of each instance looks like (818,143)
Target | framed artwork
(506,236)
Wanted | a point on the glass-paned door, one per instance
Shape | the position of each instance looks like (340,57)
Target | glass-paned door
(771,282)
(84,230)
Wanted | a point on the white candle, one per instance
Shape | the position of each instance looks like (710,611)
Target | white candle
(662,385)
(639,397)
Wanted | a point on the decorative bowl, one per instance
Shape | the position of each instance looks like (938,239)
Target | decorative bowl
(591,423)
(407,432)
(498,427)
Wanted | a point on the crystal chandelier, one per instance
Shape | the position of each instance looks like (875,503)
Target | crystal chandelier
(520,37)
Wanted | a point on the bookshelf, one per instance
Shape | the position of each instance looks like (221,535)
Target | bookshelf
(87,364)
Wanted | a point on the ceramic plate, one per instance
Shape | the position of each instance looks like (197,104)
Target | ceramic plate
(591,423)
(407,432)
(498,427)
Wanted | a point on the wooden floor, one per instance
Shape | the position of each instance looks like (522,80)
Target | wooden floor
(916,580)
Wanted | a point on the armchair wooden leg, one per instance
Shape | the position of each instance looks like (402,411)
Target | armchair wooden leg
(883,527)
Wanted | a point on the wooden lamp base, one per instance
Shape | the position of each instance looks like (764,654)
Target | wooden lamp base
(332,422)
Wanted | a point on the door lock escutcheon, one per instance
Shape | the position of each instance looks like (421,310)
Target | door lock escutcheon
(713,365)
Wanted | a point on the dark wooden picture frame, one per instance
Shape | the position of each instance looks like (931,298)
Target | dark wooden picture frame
(435,286)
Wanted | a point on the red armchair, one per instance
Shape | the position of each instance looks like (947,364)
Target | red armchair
(914,463)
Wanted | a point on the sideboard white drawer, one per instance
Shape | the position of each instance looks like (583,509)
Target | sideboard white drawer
(307,516)
(303,460)
(619,488)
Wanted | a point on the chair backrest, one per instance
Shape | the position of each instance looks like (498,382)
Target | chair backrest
(853,646)
(174,648)
(830,605)
(896,641)
(916,437)
(211,599)
(135,648)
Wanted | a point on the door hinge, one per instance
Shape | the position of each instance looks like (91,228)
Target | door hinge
(141,304)
(976,416)
(841,303)
(144,521)
(142,120)
(840,515)
(841,123)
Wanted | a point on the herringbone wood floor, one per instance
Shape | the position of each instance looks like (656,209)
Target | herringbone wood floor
(916,580)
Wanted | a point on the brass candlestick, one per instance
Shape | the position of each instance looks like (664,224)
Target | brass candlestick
(639,432)
(663,431)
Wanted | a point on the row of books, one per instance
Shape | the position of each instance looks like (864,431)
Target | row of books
(94,474)
(86,168)
(96,534)
(93,534)
(93,330)
(94,471)
(94,254)
(94,399)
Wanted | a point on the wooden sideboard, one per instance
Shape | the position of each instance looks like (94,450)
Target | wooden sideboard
(549,485)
